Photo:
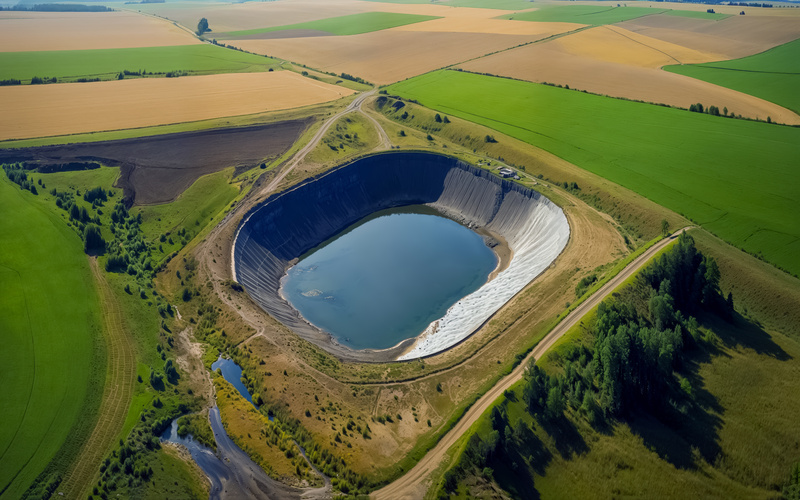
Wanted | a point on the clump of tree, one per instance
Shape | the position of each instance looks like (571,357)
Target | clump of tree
(9,81)
(490,139)
(16,173)
(352,78)
(202,26)
(93,242)
(38,80)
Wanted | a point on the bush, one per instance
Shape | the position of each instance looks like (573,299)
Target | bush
(93,242)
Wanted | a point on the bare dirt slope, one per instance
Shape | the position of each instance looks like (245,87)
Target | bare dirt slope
(51,110)
(30,31)
(415,483)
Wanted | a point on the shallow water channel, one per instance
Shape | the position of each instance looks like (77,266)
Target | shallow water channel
(231,472)
(386,278)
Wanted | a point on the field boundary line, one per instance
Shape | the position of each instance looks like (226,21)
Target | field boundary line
(117,392)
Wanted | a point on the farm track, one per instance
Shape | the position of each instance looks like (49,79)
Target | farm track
(415,483)
(117,393)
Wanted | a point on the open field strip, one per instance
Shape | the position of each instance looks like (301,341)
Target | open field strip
(773,75)
(48,110)
(49,323)
(107,63)
(36,31)
(256,15)
(700,7)
(386,56)
(415,482)
(736,36)
(736,178)
(120,375)
(612,61)
(583,14)
(496,26)
(354,24)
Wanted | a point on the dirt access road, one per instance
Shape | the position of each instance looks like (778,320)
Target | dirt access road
(415,483)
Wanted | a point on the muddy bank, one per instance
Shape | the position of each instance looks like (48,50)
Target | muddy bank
(290,223)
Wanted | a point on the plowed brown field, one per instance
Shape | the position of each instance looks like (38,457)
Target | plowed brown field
(385,56)
(71,108)
(31,31)
(613,61)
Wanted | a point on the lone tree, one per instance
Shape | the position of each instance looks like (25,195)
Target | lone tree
(664,228)
(202,26)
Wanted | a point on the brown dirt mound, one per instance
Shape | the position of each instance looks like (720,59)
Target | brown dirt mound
(157,169)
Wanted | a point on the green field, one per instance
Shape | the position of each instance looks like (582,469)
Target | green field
(583,14)
(737,178)
(69,65)
(480,4)
(696,14)
(354,24)
(773,75)
(49,325)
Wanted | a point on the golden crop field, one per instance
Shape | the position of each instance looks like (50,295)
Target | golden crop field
(72,108)
(34,31)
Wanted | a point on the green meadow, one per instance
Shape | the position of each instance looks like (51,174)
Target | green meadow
(583,14)
(773,75)
(69,65)
(737,178)
(49,326)
(479,4)
(354,24)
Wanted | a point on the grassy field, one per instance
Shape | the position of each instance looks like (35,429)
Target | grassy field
(584,14)
(773,75)
(736,376)
(480,4)
(354,24)
(736,178)
(49,324)
(191,211)
(106,64)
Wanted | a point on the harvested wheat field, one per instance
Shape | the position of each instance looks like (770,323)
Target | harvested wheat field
(50,110)
(34,31)
(603,61)
(733,37)
(385,56)
(253,15)
(497,26)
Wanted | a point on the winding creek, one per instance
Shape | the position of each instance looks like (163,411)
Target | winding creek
(233,475)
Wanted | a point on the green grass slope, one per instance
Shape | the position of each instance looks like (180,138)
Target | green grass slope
(739,179)
(69,65)
(354,24)
(48,322)
(696,14)
(773,75)
(583,14)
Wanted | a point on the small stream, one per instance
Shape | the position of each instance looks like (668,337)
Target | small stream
(231,471)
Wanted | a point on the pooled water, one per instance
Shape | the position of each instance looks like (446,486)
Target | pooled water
(386,280)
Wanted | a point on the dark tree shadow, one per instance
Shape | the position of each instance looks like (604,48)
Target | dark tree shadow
(568,441)
(534,449)
(741,332)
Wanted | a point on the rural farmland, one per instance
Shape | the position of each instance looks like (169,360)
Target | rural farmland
(401,249)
